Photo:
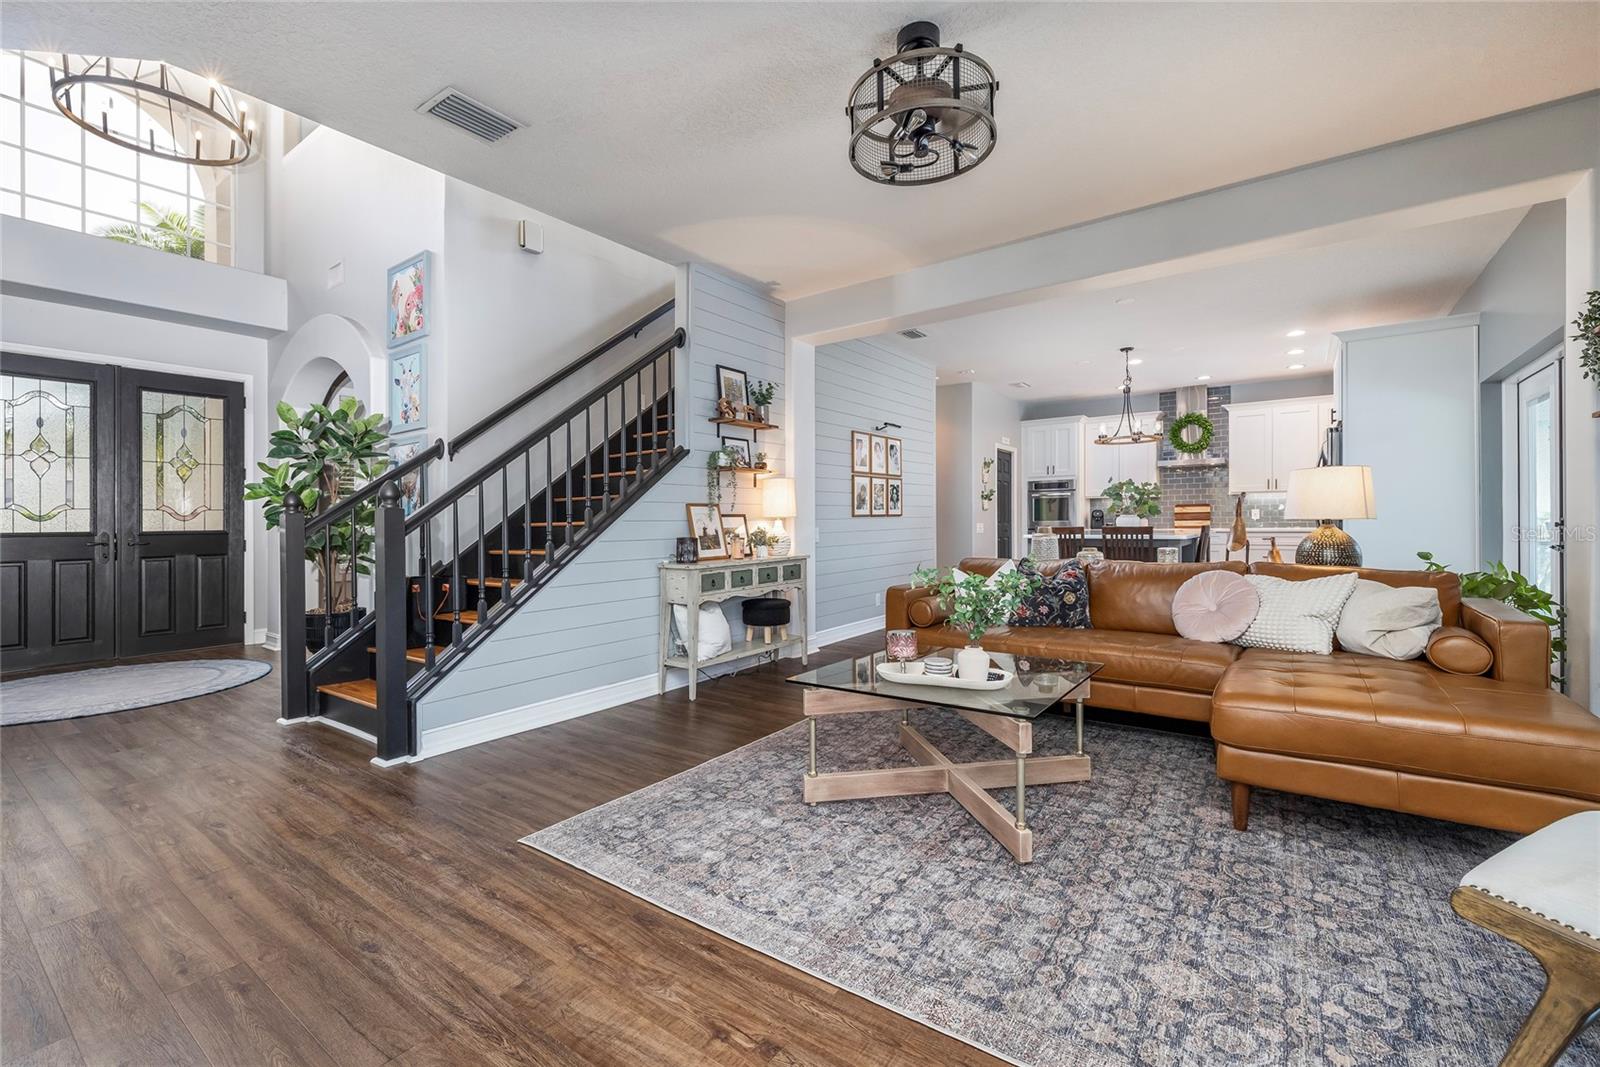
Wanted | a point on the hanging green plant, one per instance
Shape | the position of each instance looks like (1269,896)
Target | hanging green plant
(1588,335)
(1183,444)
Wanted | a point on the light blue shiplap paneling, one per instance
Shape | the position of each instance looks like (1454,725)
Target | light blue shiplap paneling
(860,385)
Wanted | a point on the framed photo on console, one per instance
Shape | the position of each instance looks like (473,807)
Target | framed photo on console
(860,452)
(860,495)
(705,526)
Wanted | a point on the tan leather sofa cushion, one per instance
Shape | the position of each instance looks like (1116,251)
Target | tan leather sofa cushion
(1458,651)
(1138,596)
(1130,657)
(1447,585)
(1406,716)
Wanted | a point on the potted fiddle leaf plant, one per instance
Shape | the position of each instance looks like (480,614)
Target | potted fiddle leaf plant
(977,604)
(322,454)
(1134,503)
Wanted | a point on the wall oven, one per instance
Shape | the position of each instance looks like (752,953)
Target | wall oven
(1052,503)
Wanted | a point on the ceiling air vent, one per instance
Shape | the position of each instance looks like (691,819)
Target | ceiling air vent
(912,335)
(462,111)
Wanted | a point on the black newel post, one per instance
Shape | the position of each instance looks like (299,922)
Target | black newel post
(395,734)
(292,609)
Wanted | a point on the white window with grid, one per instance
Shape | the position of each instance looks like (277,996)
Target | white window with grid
(53,171)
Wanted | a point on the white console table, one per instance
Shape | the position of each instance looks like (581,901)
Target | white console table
(695,584)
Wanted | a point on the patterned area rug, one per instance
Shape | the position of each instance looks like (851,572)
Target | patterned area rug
(1146,931)
(48,697)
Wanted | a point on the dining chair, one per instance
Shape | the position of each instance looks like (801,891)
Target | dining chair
(1069,541)
(1129,542)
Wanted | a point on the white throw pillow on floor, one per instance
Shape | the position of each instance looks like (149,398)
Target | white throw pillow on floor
(715,637)
(1383,620)
(1297,616)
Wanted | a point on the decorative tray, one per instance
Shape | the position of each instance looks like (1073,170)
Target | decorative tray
(890,672)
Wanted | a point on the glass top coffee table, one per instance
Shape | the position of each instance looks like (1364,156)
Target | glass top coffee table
(1007,714)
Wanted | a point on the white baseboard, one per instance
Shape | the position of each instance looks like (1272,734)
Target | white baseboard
(847,630)
(442,739)
(269,638)
(341,727)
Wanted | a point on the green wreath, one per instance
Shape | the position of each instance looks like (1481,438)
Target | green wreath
(1182,444)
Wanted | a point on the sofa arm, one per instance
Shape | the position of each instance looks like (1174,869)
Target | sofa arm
(897,606)
(1521,643)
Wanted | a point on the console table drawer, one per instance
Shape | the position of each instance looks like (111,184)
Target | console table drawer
(793,571)
(713,581)
(741,579)
(766,575)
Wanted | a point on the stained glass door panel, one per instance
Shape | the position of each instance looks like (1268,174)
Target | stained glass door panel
(181,461)
(57,513)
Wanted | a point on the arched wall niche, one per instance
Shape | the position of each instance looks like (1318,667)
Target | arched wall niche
(319,352)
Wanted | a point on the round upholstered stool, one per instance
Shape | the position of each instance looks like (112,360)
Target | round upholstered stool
(766,612)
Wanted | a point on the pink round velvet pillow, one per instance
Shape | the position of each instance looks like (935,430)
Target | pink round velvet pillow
(1214,606)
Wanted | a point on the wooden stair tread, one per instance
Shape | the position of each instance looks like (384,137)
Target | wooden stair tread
(560,522)
(592,496)
(639,452)
(468,618)
(495,583)
(417,655)
(362,691)
(516,552)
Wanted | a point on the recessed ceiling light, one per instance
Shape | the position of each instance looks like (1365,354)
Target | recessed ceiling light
(1124,300)
(1134,362)
(1297,366)
(971,371)
(1295,352)
(1295,333)
(1202,377)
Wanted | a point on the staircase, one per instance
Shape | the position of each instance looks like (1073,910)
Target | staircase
(449,574)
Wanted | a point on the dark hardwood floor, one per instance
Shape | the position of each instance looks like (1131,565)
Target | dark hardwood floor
(193,883)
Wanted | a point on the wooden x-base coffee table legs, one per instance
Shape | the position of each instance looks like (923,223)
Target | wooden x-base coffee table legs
(966,782)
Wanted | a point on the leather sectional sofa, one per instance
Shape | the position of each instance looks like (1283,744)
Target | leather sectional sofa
(1487,742)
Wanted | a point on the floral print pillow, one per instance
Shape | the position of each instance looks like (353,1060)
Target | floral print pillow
(1061,599)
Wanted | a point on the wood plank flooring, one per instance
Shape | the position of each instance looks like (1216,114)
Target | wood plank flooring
(193,883)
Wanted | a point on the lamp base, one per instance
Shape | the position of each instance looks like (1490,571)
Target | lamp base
(1328,546)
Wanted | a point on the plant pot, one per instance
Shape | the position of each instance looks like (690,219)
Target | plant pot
(761,552)
(972,664)
(763,412)
(1129,520)
(341,623)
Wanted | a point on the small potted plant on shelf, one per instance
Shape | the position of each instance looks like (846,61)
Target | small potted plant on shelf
(1135,503)
(760,541)
(977,605)
(761,461)
(718,460)
(761,394)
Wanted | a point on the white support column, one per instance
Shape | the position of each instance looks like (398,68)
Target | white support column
(800,441)
(1582,452)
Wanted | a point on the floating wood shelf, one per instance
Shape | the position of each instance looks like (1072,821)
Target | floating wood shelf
(747,470)
(745,423)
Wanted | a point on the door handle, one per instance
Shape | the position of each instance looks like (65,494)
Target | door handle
(106,541)
(134,543)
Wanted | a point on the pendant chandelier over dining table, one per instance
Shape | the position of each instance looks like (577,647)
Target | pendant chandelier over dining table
(154,108)
(1129,429)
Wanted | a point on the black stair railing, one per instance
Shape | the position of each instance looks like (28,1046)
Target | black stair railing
(343,519)
(494,538)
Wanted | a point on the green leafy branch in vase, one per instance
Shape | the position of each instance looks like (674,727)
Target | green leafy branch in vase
(977,604)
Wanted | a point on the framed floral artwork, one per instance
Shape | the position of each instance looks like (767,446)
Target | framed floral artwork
(408,389)
(410,310)
(413,486)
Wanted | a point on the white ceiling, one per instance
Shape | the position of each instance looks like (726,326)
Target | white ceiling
(1230,322)
(717,131)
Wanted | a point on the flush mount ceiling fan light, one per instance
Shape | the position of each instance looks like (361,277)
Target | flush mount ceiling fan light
(924,115)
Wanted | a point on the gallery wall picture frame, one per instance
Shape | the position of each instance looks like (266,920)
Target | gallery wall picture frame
(880,496)
(897,503)
(860,452)
(880,454)
(733,385)
(893,456)
(408,288)
(860,495)
(408,389)
(705,526)
(414,486)
(741,450)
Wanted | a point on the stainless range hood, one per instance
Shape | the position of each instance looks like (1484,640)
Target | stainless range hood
(1193,398)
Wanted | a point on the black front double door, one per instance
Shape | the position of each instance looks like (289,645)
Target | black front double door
(122,521)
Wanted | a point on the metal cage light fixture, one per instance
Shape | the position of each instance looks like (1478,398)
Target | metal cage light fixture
(924,115)
(1134,433)
(203,124)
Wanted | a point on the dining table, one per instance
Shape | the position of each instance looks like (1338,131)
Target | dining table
(1186,541)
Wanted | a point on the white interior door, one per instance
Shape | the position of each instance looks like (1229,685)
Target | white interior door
(1538,465)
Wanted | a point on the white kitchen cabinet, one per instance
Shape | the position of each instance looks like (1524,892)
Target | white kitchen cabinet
(1104,464)
(1270,438)
(1050,448)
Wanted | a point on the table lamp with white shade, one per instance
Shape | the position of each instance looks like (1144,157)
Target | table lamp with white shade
(777,504)
(1326,494)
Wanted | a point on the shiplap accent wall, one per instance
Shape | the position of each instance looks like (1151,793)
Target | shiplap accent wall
(860,385)
(589,639)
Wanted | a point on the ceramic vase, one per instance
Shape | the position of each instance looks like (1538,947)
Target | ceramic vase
(972,664)
(1129,520)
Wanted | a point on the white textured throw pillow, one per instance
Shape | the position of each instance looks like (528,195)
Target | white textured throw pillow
(1297,616)
(715,637)
(1009,565)
(1383,620)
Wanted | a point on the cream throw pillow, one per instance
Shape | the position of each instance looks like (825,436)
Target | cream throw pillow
(1297,616)
(715,636)
(1395,623)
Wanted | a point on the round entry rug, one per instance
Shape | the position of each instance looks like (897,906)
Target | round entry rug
(49,697)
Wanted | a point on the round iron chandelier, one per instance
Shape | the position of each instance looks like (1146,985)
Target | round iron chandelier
(1129,431)
(174,114)
(924,115)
